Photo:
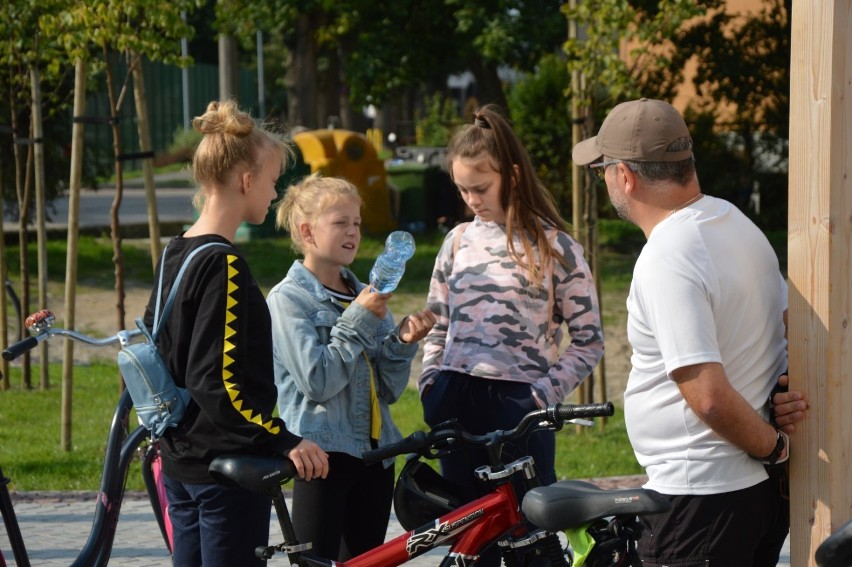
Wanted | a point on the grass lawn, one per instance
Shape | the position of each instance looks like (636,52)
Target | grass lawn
(30,431)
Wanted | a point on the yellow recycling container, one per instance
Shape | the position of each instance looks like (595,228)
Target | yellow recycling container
(350,155)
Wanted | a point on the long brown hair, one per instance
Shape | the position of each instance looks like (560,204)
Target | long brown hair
(527,202)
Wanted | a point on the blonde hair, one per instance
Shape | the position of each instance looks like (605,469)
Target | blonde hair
(306,200)
(231,140)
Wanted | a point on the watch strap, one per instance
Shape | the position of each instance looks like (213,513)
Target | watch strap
(774,458)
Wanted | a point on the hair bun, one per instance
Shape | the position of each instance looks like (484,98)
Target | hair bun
(224,118)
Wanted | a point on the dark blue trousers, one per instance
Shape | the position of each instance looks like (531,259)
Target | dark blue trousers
(480,406)
(216,525)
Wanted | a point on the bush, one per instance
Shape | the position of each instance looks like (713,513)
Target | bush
(437,122)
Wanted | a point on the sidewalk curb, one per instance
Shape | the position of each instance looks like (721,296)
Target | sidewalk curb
(59,496)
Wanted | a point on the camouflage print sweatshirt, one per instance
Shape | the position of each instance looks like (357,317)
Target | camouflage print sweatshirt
(492,323)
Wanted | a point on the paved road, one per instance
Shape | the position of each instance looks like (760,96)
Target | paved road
(174,204)
(55,528)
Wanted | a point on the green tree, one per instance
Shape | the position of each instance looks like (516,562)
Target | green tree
(380,51)
(739,115)
(436,123)
(742,82)
(100,31)
(133,30)
(511,33)
(625,49)
(35,93)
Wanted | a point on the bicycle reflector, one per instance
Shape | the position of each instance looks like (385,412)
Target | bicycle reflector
(421,495)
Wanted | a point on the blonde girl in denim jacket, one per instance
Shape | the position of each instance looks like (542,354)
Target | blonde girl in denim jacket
(340,361)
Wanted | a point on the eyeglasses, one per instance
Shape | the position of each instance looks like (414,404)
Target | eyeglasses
(600,168)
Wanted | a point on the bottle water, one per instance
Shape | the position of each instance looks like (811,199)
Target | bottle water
(390,265)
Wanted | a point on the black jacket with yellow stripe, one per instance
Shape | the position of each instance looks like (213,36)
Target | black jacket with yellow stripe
(217,343)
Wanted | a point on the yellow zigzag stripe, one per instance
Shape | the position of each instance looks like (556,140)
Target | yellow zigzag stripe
(232,389)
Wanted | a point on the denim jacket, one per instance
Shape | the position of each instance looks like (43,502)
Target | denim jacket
(320,368)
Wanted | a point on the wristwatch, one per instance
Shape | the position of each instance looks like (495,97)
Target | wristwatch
(773,458)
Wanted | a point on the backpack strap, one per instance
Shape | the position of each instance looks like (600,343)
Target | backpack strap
(160,318)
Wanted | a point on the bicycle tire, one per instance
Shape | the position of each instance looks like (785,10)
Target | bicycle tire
(836,550)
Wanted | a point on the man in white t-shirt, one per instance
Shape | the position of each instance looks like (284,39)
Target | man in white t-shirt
(706,321)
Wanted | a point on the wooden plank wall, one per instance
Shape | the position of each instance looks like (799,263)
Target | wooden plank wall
(820,270)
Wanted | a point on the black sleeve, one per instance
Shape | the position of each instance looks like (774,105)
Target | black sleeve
(221,347)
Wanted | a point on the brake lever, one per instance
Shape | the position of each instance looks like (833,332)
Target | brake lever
(448,446)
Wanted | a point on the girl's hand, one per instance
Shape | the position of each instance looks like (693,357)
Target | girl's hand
(311,461)
(375,302)
(416,326)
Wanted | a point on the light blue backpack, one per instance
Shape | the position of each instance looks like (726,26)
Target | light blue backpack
(158,401)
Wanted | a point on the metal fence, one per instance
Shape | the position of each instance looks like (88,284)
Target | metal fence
(164,91)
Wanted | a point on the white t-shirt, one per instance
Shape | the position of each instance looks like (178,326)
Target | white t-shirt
(706,288)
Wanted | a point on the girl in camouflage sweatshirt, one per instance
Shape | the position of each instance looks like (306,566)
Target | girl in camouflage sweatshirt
(502,288)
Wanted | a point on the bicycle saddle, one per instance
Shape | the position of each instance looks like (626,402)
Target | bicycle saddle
(264,474)
(574,503)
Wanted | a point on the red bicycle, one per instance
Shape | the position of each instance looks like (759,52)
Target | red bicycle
(428,508)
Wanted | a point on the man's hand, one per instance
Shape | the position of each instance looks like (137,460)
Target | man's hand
(416,326)
(789,407)
(311,461)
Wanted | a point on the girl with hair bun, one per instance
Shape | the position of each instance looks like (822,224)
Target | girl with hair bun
(217,344)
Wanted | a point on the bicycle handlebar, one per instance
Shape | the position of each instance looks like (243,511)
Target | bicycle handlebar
(39,324)
(445,436)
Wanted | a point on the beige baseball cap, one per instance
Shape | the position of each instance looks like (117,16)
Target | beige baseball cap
(637,130)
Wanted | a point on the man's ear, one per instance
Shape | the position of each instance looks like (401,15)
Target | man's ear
(628,177)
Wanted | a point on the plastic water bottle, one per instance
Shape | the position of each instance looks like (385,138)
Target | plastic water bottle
(390,265)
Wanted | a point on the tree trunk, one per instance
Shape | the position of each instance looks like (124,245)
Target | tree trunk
(147,163)
(22,187)
(71,252)
(4,312)
(489,87)
(41,233)
(115,225)
(328,90)
(301,76)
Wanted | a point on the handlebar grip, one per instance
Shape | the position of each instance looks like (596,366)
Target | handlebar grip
(572,411)
(19,348)
(411,444)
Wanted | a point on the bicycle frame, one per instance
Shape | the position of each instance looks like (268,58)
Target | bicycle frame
(496,517)
(468,529)
(122,446)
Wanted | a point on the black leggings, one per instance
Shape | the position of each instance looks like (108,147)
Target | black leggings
(346,513)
